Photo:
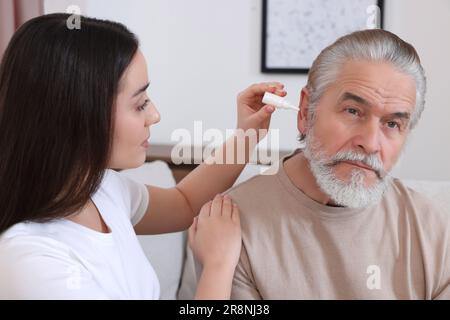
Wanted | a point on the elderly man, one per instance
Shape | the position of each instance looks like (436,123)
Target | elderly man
(331,224)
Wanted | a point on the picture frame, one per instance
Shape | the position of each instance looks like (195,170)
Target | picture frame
(295,31)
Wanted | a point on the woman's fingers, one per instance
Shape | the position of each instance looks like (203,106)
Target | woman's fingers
(191,232)
(280,93)
(270,85)
(260,88)
(216,207)
(205,210)
(219,206)
(227,206)
(195,224)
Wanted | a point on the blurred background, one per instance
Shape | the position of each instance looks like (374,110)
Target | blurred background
(201,53)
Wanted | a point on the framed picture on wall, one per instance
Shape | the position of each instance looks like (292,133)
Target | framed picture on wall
(295,31)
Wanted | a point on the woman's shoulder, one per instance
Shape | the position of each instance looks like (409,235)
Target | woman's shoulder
(117,187)
(126,192)
(30,238)
(35,266)
(111,181)
(31,241)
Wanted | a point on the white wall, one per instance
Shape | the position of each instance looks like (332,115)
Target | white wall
(426,24)
(201,53)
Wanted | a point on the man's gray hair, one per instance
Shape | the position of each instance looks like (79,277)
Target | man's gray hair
(371,45)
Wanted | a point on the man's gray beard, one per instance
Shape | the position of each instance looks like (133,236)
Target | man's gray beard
(352,194)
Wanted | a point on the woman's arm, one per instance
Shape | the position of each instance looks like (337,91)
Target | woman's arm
(173,209)
(215,239)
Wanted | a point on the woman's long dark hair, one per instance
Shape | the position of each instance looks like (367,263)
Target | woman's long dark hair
(57,92)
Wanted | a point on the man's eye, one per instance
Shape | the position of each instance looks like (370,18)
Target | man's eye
(393,125)
(352,111)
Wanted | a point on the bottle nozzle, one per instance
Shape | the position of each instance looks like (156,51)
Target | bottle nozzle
(278,102)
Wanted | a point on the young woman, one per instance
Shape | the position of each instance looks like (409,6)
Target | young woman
(73,107)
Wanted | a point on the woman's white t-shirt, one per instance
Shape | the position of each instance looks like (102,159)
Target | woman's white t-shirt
(65,260)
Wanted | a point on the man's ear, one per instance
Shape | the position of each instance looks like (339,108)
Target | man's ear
(302,117)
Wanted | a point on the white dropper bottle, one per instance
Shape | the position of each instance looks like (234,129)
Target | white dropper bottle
(278,102)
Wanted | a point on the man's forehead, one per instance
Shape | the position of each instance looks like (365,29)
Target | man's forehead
(371,97)
(378,83)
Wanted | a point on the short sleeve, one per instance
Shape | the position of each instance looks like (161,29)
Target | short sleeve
(35,269)
(137,198)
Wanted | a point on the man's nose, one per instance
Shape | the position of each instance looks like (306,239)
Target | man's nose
(368,138)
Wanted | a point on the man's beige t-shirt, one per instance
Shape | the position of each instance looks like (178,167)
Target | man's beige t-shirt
(296,248)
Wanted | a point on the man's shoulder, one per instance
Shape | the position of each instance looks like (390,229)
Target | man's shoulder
(256,186)
(412,192)
(256,196)
(428,210)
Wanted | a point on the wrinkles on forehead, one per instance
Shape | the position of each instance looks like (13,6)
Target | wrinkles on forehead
(380,84)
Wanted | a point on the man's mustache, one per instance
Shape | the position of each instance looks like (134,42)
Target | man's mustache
(370,160)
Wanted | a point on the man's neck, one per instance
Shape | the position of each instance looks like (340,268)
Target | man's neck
(298,170)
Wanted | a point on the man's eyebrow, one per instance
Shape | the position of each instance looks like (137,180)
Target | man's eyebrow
(399,115)
(354,97)
(360,100)
(143,89)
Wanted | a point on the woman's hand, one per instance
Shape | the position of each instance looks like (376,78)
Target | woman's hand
(215,235)
(252,112)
